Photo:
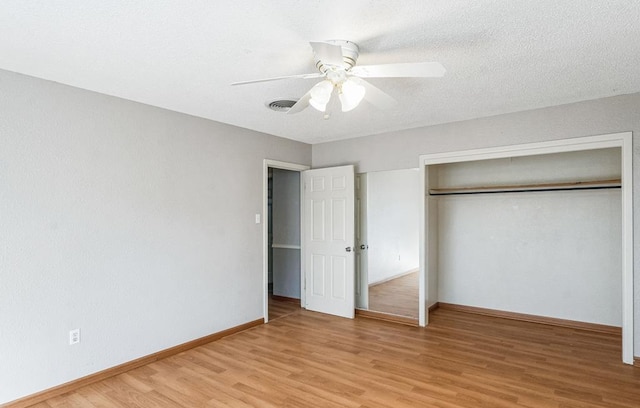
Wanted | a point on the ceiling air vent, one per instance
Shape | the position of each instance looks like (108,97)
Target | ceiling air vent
(281,105)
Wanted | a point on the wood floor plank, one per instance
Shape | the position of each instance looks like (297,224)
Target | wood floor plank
(305,359)
(278,309)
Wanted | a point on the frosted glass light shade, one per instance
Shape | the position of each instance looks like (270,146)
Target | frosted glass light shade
(320,95)
(351,95)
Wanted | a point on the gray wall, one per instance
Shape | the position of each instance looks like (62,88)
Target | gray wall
(398,150)
(133,223)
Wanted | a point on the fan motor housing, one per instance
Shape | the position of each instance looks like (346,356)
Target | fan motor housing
(350,53)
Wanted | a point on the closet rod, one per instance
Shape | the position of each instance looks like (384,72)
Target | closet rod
(580,185)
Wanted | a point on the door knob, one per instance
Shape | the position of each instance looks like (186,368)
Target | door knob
(363,246)
(348,249)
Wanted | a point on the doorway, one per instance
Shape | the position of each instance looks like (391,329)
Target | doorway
(281,239)
(387,244)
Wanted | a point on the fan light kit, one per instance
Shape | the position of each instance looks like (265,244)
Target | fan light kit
(336,63)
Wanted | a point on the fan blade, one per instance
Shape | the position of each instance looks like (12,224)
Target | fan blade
(302,104)
(406,70)
(301,76)
(328,53)
(374,95)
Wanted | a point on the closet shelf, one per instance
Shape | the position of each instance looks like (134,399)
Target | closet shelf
(577,185)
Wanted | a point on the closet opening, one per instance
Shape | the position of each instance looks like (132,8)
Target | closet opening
(541,230)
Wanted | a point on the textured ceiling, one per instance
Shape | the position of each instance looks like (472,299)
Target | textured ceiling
(500,56)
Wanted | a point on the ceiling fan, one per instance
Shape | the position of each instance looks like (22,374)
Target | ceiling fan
(336,63)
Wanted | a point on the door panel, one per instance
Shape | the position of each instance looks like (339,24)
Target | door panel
(317,220)
(339,278)
(338,219)
(329,250)
(318,272)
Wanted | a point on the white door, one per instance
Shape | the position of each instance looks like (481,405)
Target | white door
(328,219)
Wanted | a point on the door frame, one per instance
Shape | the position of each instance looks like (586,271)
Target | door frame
(361,255)
(275,164)
(622,140)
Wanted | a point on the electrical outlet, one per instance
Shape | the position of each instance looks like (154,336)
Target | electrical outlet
(74,336)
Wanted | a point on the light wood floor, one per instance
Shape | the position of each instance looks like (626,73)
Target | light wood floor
(308,359)
(398,296)
(278,308)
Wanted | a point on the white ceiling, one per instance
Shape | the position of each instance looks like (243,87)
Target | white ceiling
(500,55)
